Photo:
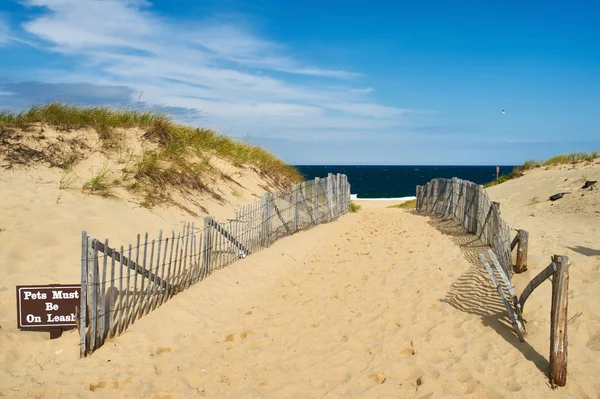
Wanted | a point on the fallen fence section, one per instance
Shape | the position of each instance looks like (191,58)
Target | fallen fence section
(120,285)
(559,271)
(468,204)
(514,309)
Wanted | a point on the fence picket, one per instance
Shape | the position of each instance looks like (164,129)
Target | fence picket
(192,257)
(111,298)
(469,205)
(117,327)
(83,319)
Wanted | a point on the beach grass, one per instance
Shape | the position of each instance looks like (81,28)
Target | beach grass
(562,159)
(354,207)
(410,204)
(180,156)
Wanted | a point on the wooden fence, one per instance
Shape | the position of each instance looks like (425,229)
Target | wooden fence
(468,204)
(121,284)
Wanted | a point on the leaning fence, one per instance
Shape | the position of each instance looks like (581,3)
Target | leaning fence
(468,204)
(121,284)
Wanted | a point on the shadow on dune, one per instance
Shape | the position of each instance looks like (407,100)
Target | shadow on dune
(585,251)
(473,292)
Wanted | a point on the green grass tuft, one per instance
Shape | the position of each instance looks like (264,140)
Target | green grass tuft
(556,160)
(354,207)
(99,184)
(411,204)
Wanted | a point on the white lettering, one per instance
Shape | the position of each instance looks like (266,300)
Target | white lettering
(65,295)
(32,295)
(51,306)
(33,319)
(63,318)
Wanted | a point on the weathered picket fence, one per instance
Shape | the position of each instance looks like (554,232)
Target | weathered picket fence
(469,204)
(120,285)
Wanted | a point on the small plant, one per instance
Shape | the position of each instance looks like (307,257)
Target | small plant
(354,207)
(499,180)
(411,204)
(67,179)
(99,184)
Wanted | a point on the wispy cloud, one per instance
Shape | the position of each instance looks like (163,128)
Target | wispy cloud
(237,80)
(4,29)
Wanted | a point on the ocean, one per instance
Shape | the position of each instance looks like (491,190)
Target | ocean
(398,181)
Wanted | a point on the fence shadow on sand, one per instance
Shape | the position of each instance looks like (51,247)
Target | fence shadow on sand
(473,293)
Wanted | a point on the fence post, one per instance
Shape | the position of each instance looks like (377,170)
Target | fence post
(558,322)
(207,250)
(92,281)
(264,203)
(522,246)
(296,206)
(316,200)
(329,196)
(82,322)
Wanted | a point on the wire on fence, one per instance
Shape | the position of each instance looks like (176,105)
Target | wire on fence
(468,204)
(120,285)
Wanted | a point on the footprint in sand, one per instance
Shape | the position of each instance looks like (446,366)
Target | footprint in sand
(161,350)
(377,376)
(594,342)
(104,384)
(243,335)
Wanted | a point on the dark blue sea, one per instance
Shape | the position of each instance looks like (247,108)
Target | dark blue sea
(398,181)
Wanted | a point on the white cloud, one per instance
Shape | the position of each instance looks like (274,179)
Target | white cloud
(4,30)
(239,81)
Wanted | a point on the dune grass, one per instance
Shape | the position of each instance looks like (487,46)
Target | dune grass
(354,207)
(99,184)
(562,159)
(180,158)
(410,204)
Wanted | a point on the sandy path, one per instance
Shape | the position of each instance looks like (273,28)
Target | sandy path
(377,304)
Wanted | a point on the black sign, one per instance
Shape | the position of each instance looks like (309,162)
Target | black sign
(47,306)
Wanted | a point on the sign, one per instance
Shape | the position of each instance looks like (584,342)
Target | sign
(47,306)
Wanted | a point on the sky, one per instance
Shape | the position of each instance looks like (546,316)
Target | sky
(325,82)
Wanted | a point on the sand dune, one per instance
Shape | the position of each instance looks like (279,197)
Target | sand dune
(381,303)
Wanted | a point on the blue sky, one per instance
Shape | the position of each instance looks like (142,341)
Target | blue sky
(325,82)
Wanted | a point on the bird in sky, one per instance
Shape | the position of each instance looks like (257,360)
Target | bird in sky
(503,112)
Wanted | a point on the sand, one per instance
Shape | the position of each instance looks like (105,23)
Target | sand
(381,303)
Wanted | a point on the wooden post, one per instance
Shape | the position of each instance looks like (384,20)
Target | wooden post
(264,204)
(522,246)
(296,207)
(558,322)
(206,251)
(316,215)
(329,195)
(497,205)
(92,280)
(83,319)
